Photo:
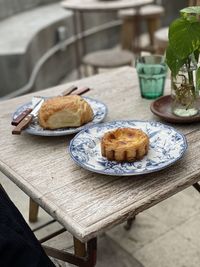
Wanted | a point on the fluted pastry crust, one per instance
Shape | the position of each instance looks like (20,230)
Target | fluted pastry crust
(125,145)
(64,111)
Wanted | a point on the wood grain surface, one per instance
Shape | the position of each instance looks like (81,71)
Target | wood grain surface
(84,202)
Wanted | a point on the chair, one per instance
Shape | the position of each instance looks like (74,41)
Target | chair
(130,31)
(193,2)
(107,59)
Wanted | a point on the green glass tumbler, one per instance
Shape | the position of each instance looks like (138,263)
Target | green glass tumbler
(152,71)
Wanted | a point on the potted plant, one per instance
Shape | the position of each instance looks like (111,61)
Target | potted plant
(182,57)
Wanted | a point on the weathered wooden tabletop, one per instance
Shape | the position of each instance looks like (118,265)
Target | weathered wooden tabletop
(99,5)
(84,202)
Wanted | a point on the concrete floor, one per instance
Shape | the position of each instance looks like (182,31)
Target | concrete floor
(166,235)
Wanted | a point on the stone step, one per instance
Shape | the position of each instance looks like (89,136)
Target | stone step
(25,37)
(11,7)
(18,31)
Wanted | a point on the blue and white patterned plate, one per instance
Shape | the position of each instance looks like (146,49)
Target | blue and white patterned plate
(166,147)
(100,111)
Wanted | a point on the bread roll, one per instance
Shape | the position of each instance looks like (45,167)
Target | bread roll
(64,111)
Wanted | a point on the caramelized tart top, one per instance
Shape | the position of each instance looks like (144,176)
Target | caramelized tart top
(124,138)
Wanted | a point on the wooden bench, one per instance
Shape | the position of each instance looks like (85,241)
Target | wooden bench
(130,31)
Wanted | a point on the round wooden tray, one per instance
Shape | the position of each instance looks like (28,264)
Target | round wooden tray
(162,108)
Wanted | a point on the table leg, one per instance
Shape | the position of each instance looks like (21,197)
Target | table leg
(90,252)
(84,254)
(95,70)
(136,47)
(82,42)
(77,51)
(33,211)
(82,31)
(79,248)
(129,224)
(197,186)
(80,48)
(153,24)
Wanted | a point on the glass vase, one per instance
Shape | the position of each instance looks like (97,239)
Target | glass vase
(184,92)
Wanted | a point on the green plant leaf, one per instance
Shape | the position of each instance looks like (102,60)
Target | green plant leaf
(198,78)
(184,36)
(184,40)
(196,55)
(191,10)
(173,62)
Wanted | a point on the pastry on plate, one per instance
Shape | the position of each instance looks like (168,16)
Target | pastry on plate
(64,111)
(125,145)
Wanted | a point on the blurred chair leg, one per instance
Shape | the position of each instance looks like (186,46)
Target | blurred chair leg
(33,211)
(94,70)
(159,50)
(153,24)
(85,70)
(192,2)
(128,33)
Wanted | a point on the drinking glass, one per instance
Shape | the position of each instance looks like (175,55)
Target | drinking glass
(152,71)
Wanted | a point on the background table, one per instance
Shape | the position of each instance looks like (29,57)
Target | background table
(84,202)
(81,6)
(97,5)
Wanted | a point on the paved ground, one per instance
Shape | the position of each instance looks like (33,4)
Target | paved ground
(166,235)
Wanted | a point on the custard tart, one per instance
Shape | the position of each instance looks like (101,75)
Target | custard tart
(125,145)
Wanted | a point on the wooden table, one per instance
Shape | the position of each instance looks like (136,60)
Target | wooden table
(80,6)
(86,203)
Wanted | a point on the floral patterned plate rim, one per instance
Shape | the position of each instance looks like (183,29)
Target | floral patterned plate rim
(99,108)
(167,145)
